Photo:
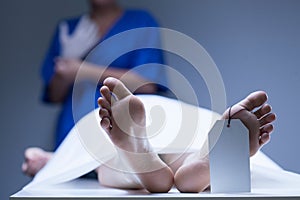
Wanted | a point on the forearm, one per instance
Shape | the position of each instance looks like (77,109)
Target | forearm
(133,81)
(62,80)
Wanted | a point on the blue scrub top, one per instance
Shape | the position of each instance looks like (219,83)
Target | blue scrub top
(129,20)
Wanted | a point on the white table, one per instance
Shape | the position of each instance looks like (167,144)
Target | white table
(90,189)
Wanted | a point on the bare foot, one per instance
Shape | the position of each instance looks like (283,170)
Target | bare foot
(193,176)
(123,117)
(35,160)
(259,122)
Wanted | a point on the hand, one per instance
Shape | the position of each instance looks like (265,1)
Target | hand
(79,43)
(67,68)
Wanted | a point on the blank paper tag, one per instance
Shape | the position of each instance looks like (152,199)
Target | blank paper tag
(229,157)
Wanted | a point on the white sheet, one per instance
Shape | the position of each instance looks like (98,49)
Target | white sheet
(73,158)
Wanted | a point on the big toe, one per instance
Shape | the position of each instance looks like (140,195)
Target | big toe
(254,100)
(117,87)
(33,152)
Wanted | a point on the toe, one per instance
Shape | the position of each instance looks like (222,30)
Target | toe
(105,93)
(103,103)
(104,113)
(265,109)
(117,87)
(24,167)
(265,138)
(32,153)
(105,123)
(268,128)
(254,100)
(267,119)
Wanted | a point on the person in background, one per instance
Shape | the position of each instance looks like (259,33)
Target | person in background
(77,40)
(72,43)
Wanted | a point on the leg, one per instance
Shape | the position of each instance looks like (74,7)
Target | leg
(123,118)
(35,160)
(193,176)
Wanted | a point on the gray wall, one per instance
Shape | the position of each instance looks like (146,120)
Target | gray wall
(26,28)
(255,44)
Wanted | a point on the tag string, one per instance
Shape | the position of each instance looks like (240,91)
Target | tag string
(229,116)
(114,96)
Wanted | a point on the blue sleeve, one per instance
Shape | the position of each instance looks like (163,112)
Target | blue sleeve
(47,69)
